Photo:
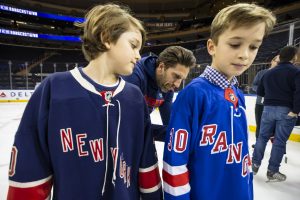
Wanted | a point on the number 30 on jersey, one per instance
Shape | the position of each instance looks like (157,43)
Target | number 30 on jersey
(180,140)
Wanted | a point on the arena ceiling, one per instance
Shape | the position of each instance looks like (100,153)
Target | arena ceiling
(156,8)
(192,17)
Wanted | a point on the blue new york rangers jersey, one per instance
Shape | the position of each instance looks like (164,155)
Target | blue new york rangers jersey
(85,146)
(206,150)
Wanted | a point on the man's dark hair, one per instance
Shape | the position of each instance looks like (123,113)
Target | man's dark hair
(174,55)
(287,53)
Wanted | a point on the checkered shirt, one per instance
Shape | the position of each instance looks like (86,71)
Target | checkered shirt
(217,78)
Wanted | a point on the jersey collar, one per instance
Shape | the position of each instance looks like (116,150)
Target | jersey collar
(218,78)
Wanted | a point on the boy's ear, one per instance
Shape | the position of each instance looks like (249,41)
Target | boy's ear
(105,41)
(107,45)
(211,47)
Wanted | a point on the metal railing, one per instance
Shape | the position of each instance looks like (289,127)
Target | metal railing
(297,42)
(10,78)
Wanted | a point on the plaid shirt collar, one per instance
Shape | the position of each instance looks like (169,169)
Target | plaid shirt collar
(217,78)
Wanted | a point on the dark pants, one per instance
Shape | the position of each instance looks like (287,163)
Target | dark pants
(258,112)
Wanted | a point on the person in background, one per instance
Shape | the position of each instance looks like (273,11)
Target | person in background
(259,100)
(280,88)
(158,77)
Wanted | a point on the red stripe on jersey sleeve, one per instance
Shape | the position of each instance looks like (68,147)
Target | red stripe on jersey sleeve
(149,179)
(176,180)
(40,192)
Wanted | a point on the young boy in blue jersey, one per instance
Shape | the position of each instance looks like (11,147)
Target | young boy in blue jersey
(206,151)
(86,132)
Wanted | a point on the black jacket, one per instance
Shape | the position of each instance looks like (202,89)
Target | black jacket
(280,86)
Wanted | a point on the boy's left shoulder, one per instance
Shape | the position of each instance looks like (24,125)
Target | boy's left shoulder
(199,84)
(132,91)
(132,87)
(195,91)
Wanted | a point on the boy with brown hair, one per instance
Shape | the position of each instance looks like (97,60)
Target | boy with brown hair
(206,152)
(86,132)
